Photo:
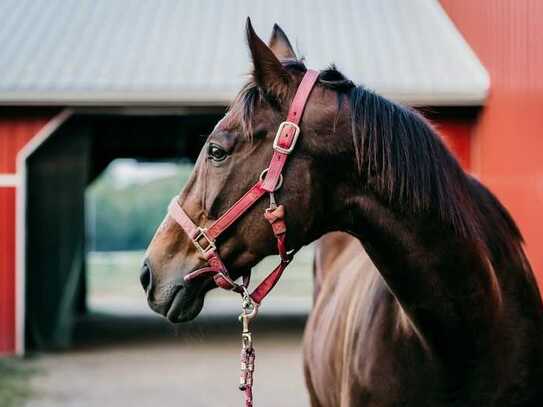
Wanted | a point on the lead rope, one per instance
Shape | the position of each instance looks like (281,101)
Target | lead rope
(275,215)
(204,239)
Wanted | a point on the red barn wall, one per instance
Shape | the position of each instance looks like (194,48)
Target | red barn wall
(457,136)
(7,269)
(15,132)
(507,144)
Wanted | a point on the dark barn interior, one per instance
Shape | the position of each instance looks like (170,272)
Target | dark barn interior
(57,174)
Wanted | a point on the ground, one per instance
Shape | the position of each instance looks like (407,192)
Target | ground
(198,368)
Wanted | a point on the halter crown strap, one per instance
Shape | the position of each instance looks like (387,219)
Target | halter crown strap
(288,131)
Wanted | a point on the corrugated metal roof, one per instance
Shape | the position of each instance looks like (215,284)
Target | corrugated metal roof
(193,52)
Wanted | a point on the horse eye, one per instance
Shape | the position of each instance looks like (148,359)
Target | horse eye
(216,153)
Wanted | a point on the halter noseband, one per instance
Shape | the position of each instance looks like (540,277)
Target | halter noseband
(271,179)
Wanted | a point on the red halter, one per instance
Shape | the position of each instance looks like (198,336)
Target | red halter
(271,179)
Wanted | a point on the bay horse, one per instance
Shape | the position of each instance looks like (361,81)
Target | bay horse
(446,313)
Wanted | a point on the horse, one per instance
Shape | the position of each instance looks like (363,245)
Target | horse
(440,308)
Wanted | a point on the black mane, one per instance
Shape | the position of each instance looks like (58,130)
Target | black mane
(406,162)
(402,157)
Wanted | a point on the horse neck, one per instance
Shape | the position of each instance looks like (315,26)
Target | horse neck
(441,280)
(426,232)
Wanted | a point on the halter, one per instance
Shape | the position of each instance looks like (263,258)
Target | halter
(204,239)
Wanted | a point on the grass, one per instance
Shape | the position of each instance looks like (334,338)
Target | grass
(15,385)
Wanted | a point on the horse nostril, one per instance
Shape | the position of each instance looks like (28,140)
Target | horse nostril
(145,276)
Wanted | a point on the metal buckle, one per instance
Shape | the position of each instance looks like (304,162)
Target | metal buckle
(282,126)
(202,233)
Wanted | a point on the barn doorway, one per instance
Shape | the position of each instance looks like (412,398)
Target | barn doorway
(57,174)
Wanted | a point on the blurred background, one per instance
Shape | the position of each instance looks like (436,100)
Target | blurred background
(103,105)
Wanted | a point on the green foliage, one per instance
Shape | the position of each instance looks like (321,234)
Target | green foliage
(125,218)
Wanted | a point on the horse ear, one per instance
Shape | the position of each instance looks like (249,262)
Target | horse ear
(280,45)
(268,72)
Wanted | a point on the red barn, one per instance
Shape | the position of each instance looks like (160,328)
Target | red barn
(82,86)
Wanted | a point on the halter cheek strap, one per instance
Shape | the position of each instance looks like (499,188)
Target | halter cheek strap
(204,239)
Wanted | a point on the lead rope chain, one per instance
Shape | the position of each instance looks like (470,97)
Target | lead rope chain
(247,357)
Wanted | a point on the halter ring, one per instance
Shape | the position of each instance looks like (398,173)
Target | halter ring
(279,183)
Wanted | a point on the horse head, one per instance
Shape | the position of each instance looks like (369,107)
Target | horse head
(231,161)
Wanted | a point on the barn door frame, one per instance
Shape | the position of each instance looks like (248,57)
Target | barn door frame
(20,223)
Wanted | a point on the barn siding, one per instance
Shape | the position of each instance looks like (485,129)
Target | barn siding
(507,144)
(456,134)
(7,269)
(16,130)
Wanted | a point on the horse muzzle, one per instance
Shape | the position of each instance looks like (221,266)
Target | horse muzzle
(176,300)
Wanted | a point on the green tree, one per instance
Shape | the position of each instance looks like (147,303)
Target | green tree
(125,218)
